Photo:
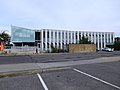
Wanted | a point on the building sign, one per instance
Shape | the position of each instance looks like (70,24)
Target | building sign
(19,34)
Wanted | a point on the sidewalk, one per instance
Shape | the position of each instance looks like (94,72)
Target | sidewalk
(7,68)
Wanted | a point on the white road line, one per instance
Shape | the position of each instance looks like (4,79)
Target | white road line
(43,83)
(97,78)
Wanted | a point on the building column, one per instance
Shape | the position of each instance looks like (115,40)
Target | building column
(57,39)
(113,37)
(61,39)
(74,40)
(104,40)
(67,37)
(85,34)
(91,37)
(64,37)
(107,38)
(45,39)
(81,35)
(110,38)
(94,38)
(78,37)
(98,41)
(101,40)
(54,38)
(41,40)
(50,40)
(71,36)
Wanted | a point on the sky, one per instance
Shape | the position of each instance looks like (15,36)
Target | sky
(84,15)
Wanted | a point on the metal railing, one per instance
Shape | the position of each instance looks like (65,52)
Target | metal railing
(22,48)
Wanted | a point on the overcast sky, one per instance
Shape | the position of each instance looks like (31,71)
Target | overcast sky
(85,15)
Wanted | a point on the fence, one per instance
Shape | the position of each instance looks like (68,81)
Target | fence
(22,49)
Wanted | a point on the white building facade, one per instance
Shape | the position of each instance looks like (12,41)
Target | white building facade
(45,38)
(61,38)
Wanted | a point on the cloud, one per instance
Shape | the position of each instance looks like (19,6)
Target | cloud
(102,15)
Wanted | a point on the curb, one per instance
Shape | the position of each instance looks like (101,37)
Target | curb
(29,72)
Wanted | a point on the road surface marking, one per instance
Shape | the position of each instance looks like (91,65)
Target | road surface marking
(43,83)
(97,78)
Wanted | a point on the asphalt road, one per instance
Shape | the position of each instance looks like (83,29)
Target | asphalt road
(46,58)
(108,75)
(27,82)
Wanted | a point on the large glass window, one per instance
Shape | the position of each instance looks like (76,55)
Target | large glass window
(112,38)
(66,35)
(51,34)
(62,35)
(55,35)
(43,34)
(59,34)
(48,34)
(37,35)
(69,35)
(19,34)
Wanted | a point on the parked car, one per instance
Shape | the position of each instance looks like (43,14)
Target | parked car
(108,49)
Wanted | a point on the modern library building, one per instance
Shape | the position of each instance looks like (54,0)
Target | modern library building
(45,38)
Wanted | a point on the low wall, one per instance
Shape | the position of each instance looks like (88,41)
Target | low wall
(76,48)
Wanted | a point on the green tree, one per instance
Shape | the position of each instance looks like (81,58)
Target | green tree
(117,45)
(85,40)
(4,36)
